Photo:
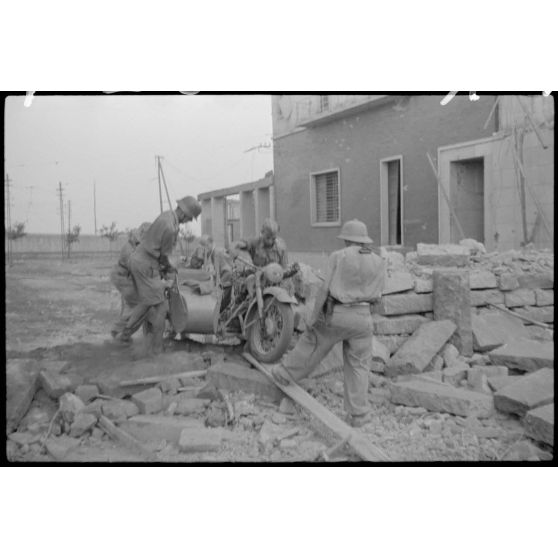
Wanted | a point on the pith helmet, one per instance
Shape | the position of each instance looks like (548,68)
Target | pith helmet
(355,231)
(191,206)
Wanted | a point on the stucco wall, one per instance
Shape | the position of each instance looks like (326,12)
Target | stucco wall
(356,145)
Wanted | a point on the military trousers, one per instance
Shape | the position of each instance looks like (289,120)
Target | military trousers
(351,325)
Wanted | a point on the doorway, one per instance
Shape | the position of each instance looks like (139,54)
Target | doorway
(391,194)
(467,198)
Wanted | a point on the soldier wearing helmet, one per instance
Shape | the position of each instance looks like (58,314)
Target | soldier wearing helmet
(150,257)
(267,248)
(355,279)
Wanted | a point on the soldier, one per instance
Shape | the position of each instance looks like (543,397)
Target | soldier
(148,262)
(268,247)
(121,278)
(341,313)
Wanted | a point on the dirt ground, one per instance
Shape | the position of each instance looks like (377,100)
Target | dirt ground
(64,309)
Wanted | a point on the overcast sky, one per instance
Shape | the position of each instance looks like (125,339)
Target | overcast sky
(113,140)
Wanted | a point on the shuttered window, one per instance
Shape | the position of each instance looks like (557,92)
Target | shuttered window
(326,206)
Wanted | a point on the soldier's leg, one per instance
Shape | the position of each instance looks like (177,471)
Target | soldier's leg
(357,357)
(135,321)
(312,347)
(157,316)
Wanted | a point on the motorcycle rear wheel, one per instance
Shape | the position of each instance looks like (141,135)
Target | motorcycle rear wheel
(269,338)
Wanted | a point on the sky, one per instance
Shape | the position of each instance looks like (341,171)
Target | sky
(112,141)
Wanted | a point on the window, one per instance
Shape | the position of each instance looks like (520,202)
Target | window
(324,103)
(325,199)
(392,201)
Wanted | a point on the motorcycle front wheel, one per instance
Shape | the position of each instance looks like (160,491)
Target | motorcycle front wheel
(268,338)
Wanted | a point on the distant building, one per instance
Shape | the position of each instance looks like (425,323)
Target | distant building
(339,157)
(237,212)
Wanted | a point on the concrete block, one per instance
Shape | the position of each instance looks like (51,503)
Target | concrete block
(287,406)
(411,303)
(539,424)
(397,282)
(477,376)
(380,352)
(529,392)
(525,354)
(402,325)
(118,410)
(496,383)
(443,255)
(423,285)
(234,377)
(539,333)
(188,405)
(544,314)
(450,354)
(508,282)
(200,440)
(61,447)
(491,330)
(519,297)
(70,406)
(152,428)
(392,342)
(82,424)
(149,401)
(544,297)
(442,398)
(55,380)
(489,296)
(419,350)
(87,393)
(454,374)
(543,280)
(436,365)
(452,301)
(22,382)
(482,279)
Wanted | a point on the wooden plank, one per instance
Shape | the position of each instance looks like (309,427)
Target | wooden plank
(524,318)
(359,443)
(156,379)
(126,439)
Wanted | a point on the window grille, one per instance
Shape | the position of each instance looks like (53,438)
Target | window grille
(324,103)
(326,197)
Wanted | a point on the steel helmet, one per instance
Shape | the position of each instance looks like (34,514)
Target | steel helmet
(355,231)
(191,206)
(270,226)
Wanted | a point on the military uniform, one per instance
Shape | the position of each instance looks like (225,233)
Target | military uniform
(262,255)
(355,279)
(145,264)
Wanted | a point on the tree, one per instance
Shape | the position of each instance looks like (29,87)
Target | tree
(112,233)
(16,231)
(72,236)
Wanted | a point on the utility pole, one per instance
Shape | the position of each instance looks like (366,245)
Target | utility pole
(95,205)
(61,217)
(9,219)
(69,226)
(159,171)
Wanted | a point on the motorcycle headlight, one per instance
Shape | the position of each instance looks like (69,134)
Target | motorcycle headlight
(273,272)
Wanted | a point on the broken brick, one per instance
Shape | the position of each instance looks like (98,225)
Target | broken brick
(529,392)
(496,383)
(189,405)
(544,297)
(508,282)
(442,398)
(484,298)
(87,392)
(149,401)
(454,374)
(493,329)
(403,304)
(119,409)
(82,424)
(397,282)
(61,446)
(200,440)
(524,354)
(543,280)
(543,314)
(55,380)
(477,376)
(539,424)
(482,279)
(402,325)
(423,286)
(419,350)
(519,297)
(443,255)
(234,377)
